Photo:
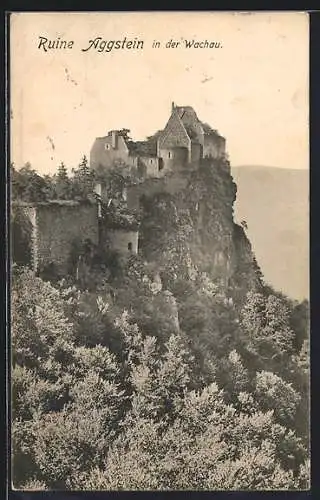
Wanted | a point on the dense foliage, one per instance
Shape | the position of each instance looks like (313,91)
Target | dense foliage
(149,371)
(109,392)
(30,186)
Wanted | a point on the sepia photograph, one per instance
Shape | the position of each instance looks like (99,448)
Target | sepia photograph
(159,251)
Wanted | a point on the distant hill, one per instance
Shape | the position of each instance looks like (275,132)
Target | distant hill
(275,204)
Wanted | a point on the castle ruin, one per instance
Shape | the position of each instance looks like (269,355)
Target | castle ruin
(161,163)
(183,142)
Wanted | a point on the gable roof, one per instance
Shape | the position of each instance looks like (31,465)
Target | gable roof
(173,128)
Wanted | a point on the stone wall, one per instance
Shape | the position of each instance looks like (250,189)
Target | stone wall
(196,152)
(172,183)
(214,146)
(59,226)
(174,158)
(150,166)
(100,156)
(121,240)
(55,228)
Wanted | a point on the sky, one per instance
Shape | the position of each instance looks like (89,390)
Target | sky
(253,89)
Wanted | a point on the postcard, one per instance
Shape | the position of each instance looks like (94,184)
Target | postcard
(159,251)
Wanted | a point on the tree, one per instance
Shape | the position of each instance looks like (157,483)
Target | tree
(83,178)
(109,395)
(299,322)
(28,185)
(208,446)
(266,329)
(273,393)
(125,133)
(62,183)
(58,389)
(233,376)
(42,336)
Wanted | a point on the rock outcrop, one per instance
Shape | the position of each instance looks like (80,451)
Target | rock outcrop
(191,231)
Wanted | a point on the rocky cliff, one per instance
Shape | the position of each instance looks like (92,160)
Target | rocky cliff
(190,232)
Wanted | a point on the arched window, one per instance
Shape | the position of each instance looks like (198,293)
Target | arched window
(107,146)
(169,154)
(130,246)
